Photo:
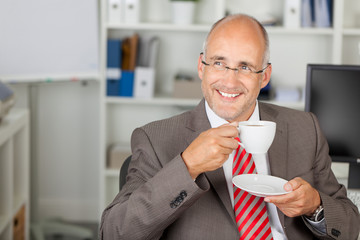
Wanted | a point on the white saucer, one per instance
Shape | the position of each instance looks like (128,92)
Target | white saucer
(260,185)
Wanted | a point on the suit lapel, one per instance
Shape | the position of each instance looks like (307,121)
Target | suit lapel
(217,180)
(278,150)
(198,123)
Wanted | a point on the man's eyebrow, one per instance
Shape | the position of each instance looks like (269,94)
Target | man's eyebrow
(216,57)
(246,63)
(242,62)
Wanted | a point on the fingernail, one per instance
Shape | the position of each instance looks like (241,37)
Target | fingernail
(267,199)
(287,187)
(234,123)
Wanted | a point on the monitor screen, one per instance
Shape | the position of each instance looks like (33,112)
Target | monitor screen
(333,95)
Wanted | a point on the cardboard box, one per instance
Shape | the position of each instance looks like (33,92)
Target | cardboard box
(187,89)
(117,154)
(19,224)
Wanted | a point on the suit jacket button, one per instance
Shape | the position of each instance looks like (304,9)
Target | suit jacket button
(183,194)
(335,232)
(172,205)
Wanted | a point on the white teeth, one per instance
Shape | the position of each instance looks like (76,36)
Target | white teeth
(229,94)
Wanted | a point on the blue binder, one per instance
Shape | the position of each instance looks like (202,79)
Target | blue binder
(126,84)
(323,13)
(113,67)
(112,87)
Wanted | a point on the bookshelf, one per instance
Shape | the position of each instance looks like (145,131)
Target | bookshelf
(291,50)
(14,172)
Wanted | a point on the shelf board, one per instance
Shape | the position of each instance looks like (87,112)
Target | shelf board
(162,101)
(11,123)
(300,31)
(351,32)
(206,27)
(160,27)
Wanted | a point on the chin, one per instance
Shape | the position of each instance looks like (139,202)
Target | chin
(226,114)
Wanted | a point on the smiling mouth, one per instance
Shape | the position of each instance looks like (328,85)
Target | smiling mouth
(228,95)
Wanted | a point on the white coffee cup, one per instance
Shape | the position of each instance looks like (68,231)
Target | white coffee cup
(256,136)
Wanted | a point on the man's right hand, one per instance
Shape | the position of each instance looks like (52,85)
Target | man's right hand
(211,149)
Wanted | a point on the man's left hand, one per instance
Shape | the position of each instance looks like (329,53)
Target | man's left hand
(302,200)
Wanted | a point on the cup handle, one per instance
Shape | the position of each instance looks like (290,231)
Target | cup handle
(241,144)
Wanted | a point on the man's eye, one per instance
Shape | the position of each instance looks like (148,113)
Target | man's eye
(244,67)
(218,64)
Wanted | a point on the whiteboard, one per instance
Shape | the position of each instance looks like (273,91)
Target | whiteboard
(48,39)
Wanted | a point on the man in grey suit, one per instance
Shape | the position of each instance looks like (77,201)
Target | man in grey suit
(179,180)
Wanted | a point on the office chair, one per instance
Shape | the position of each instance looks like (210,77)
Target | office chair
(59,230)
(123,172)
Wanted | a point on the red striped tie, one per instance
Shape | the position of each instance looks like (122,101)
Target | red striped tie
(250,211)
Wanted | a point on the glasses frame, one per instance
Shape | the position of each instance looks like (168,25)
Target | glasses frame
(237,69)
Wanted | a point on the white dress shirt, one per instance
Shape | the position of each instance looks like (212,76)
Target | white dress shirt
(262,167)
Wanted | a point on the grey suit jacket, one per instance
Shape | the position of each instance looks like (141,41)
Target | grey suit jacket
(161,201)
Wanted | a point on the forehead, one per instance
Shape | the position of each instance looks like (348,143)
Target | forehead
(237,39)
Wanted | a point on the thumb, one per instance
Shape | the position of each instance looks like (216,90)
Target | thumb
(235,124)
(288,187)
(292,184)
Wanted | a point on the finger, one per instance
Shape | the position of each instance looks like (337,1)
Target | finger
(293,184)
(226,151)
(229,143)
(228,130)
(281,199)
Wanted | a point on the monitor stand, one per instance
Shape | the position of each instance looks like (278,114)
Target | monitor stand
(354,175)
(354,169)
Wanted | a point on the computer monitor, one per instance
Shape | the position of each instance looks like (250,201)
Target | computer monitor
(333,95)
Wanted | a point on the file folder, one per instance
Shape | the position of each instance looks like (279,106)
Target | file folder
(129,52)
(126,85)
(113,72)
(323,13)
(115,9)
(307,13)
(292,17)
(144,82)
(132,11)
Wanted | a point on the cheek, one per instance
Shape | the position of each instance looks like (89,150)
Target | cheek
(207,81)
(256,85)
(205,87)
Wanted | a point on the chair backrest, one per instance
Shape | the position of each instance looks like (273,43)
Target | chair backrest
(123,172)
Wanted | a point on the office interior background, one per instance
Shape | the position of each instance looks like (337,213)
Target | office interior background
(54,56)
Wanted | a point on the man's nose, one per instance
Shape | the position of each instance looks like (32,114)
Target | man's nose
(232,75)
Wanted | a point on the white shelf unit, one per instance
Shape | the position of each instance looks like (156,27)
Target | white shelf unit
(14,171)
(291,50)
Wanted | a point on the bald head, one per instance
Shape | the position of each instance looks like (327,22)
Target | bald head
(236,22)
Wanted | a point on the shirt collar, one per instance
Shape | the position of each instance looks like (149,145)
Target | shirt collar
(216,121)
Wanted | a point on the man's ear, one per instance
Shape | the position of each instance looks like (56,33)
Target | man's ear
(200,67)
(266,76)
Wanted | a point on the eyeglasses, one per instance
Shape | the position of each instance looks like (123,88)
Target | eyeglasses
(221,66)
